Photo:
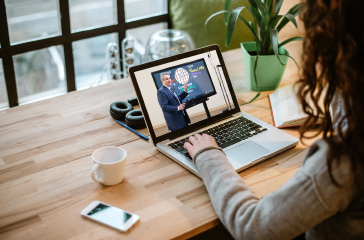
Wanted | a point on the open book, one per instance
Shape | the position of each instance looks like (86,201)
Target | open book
(285,108)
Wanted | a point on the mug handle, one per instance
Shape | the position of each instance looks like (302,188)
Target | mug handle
(93,174)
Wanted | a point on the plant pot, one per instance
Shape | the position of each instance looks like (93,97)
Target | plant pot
(269,70)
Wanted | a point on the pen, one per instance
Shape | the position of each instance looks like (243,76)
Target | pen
(133,130)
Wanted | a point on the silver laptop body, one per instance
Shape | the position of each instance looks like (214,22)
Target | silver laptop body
(211,104)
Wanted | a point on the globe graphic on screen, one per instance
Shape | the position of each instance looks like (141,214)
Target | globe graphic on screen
(181,75)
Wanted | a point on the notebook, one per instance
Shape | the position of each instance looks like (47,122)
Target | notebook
(286,110)
(191,93)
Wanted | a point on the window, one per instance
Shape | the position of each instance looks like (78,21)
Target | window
(140,32)
(27,18)
(89,57)
(40,74)
(150,8)
(3,95)
(88,14)
(37,43)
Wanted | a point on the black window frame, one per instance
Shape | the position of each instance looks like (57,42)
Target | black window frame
(7,51)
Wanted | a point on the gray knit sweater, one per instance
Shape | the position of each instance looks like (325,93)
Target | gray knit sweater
(309,202)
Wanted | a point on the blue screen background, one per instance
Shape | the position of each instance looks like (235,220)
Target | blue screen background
(199,82)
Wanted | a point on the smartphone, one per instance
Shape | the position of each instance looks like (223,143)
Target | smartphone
(111,216)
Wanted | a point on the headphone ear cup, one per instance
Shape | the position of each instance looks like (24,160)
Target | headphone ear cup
(117,116)
(133,101)
(118,110)
(135,119)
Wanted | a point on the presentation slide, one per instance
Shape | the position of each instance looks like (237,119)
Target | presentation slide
(195,74)
(208,92)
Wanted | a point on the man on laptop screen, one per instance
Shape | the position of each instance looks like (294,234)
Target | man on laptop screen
(173,109)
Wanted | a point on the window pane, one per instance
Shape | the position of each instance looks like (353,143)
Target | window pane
(142,34)
(142,8)
(90,60)
(3,93)
(40,74)
(86,14)
(32,19)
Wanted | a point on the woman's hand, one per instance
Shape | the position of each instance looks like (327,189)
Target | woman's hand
(198,142)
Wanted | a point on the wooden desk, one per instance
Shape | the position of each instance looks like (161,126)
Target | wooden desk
(45,164)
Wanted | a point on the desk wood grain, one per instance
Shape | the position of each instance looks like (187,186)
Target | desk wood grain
(45,164)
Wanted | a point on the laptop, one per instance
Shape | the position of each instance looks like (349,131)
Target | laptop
(199,81)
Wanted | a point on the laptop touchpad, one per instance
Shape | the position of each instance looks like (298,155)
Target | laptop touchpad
(246,152)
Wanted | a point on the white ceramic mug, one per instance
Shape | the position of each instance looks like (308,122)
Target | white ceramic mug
(109,165)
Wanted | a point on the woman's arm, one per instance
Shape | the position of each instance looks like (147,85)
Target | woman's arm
(297,206)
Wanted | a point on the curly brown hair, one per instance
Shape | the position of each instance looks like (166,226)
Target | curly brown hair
(333,61)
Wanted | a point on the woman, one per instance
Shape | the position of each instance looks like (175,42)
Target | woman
(325,198)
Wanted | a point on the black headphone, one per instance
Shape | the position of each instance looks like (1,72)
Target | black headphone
(135,119)
(123,110)
(118,110)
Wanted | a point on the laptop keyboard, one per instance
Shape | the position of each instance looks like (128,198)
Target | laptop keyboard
(225,134)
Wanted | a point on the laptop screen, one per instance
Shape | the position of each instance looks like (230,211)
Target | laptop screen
(181,93)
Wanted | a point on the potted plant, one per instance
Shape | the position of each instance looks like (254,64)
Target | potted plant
(265,74)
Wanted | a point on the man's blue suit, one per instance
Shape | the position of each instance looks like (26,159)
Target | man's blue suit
(168,101)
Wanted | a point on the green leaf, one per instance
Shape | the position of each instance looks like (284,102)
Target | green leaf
(257,41)
(253,30)
(213,15)
(231,24)
(261,7)
(274,38)
(255,78)
(227,8)
(255,13)
(269,4)
(264,34)
(291,18)
(290,40)
(273,22)
(252,3)
(293,61)
(277,7)
(294,11)
(264,28)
